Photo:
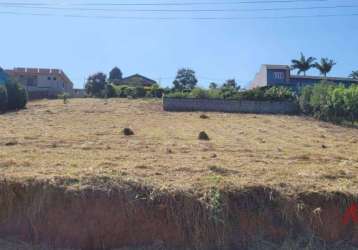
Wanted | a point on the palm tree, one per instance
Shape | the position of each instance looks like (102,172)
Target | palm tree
(303,64)
(325,66)
(354,74)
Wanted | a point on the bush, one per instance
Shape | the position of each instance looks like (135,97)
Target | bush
(230,93)
(138,92)
(321,100)
(279,94)
(17,95)
(253,94)
(121,91)
(110,91)
(203,136)
(154,91)
(3,99)
(214,94)
(304,100)
(178,94)
(351,102)
(199,93)
(330,102)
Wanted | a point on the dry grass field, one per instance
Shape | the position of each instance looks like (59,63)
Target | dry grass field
(82,141)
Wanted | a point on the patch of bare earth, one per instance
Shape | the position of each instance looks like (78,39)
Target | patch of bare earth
(71,178)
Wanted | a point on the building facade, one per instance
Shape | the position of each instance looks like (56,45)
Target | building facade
(42,83)
(280,75)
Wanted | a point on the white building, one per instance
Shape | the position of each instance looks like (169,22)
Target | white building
(42,83)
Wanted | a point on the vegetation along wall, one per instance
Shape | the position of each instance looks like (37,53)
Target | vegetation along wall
(231,106)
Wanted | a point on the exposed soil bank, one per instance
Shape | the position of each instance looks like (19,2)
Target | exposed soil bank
(133,215)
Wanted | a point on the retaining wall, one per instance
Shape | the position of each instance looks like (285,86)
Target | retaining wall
(230,106)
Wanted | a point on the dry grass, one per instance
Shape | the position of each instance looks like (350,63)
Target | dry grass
(84,139)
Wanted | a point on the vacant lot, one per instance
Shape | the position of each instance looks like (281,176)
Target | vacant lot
(83,138)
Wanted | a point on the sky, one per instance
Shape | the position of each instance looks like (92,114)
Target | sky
(233,43)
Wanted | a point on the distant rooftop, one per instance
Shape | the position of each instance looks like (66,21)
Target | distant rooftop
(275,66)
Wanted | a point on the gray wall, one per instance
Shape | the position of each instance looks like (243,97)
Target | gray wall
(231,106)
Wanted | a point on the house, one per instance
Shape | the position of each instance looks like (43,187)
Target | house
(42,83)
(276,75)
(137,80)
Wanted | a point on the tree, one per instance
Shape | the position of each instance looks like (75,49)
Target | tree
(115,75)
(110,91)
(3,98)
(213,85)
(17,95)
(231,83)
(185,80)
(96,84)
(354,74)
(325,66)
(303,64)
(351,102)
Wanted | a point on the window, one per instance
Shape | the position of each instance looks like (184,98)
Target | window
(279,75)
(54,78)
(49,78)
(31,82)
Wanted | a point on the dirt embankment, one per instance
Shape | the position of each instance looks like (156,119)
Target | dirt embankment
(133,215)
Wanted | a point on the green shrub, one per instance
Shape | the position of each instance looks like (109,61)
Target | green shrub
(17,95)
(336,105)
(351,102)
(278,94)
(229,93)
(198,93)
(321,100)
(154,91)
(258,94)
(330,102)
(110,91)
(121,91)
(304,100)
(178,94)
(3,99)
(253,94)
(214,94)
(138,92)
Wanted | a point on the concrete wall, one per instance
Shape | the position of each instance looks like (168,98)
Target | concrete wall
(231,106)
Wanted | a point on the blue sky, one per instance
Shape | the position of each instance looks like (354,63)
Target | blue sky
(215,49)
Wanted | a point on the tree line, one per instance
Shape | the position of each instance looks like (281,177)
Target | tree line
(324,66)
(99,85)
